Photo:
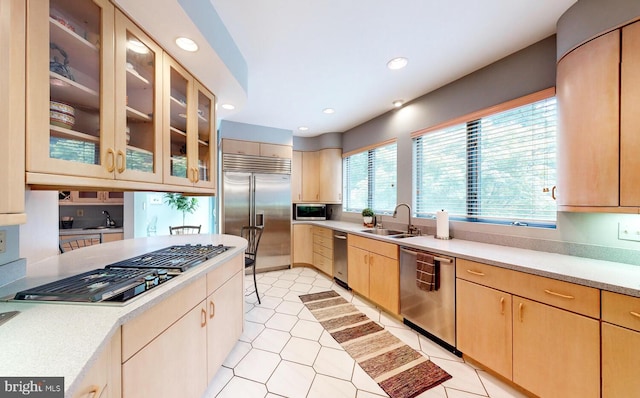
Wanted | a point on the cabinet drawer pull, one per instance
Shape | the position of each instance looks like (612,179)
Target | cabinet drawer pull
(637,315)
(93,393)
(478,273)
(121,161)
(203,322)
(558,294)
(501,305)
(111,160)
(196,175)
(212,309)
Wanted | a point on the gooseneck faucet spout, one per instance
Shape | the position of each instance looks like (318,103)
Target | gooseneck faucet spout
(108,222)
(410,228)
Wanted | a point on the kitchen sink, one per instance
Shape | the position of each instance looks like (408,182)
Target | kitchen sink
(99,227)
(402,236)
(383,231)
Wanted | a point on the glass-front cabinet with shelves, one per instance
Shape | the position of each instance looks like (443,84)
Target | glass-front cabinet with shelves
(190,143)
(138,97)
(70,95)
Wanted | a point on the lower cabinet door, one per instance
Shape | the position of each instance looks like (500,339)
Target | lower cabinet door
(172,365)
(556,353)
(225,321)
(384,282)
(483,319)
(620,361)
(358,269)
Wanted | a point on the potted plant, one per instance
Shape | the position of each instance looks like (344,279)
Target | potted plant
(367,217)
(181,203)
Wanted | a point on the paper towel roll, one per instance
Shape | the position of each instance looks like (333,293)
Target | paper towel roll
(442,225)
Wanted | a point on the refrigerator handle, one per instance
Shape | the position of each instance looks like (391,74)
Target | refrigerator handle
(259,220)
(252,200)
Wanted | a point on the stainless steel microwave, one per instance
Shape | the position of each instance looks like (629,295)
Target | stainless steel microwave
(305,211)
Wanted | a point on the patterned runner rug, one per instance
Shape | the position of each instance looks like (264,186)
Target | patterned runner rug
(401,371)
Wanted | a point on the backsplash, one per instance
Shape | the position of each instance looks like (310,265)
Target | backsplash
(91,215)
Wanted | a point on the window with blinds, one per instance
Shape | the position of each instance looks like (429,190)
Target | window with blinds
(496,168)
(369,180)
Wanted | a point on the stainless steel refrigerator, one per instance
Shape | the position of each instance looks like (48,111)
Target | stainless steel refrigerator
(257,191)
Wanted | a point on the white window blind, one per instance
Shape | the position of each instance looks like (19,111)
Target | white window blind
(500,166)
(370,179)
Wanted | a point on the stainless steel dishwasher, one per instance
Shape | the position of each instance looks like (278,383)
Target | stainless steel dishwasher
(431,312)
(340,273)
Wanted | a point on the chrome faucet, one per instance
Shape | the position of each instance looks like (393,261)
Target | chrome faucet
(410,227)
(108,222)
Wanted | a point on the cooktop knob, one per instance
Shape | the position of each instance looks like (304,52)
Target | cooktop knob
(149,281)
(162,274)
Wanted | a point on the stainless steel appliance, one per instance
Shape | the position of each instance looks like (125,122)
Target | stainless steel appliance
(310,212)
(123,280)
(430,311)
(341,275)
(256,191)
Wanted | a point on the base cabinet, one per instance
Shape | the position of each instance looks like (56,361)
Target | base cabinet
(323,249)
(103,378)
(374,271)
(302,244)
(542,334)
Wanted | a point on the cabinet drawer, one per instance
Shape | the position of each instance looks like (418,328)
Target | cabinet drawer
(323,250)
(484,274)
(241,147)
(323,263)
(373,245)
(223,273)
(141,330)
(96,379)
(569,296)
(324,232)
(621,310)
(321,240)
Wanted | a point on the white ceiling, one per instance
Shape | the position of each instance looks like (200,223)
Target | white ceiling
(307,55)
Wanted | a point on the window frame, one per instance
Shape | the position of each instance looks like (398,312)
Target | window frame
(471,169)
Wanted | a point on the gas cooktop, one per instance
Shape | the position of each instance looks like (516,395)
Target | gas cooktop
(121,281)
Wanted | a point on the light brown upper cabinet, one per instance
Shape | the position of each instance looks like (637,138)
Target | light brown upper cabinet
(138,142)
(189,126)
(317,176)
(70,96)
(598,88)
(12,97)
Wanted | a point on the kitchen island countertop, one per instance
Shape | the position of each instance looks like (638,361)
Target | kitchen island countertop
(65,339)
(607,275)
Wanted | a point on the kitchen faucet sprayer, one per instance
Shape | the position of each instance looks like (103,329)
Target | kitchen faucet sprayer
(108,222)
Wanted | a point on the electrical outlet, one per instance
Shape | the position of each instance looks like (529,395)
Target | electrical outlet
(80,213)
(3,241)
(629,231)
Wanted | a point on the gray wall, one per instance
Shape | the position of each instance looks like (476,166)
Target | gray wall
(324,141)
(252,132)
(589,18)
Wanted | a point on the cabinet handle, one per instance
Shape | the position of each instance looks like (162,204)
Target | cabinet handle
(634,314)
(196,177)
(520,311)
(212,309)
(121,165)
(553,192)
(501,305)
(366,259)
(478,273)
(111,160)
(203,312)
(93,392)
(558,294)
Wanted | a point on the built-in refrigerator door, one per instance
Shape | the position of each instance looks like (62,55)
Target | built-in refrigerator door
(237,201)
(273,212)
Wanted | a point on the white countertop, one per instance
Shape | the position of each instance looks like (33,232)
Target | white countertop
(606,275)
(60,339)
(89,231)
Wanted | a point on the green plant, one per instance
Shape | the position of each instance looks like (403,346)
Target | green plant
(181,203)
(368,212)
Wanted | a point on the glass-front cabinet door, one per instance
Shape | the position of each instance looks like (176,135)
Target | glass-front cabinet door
(138,128)
(70,112)
(204,163)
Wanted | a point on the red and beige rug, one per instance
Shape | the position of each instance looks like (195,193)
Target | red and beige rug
(399,370)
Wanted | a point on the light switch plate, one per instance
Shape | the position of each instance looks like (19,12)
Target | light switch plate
(3,241)
(629,231)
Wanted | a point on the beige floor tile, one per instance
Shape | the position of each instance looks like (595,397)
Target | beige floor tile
(282,322)
(306,280)
(259,315)
(239,351)
(291,380)
(335,363)
(282,283)
(328,341)
(435,392)
(464,378)
(301,351)
(497,389)
(271,340)
(307,329)
(251,331)
(269,302)
(434,350)
(408,336)
(289,307)
(325,386)
(257,365)
(301,287)
(276,292)
(222,377)
(239,387)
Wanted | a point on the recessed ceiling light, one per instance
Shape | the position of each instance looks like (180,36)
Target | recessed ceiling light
(228,107)
(398,103)
(397,63)
(186,44)
(137,47)
(303,128)
(329,110)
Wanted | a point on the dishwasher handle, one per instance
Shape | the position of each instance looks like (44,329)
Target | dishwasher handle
(436,258)
(343,237)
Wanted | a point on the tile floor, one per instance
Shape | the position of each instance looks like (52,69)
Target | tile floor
(285,352)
